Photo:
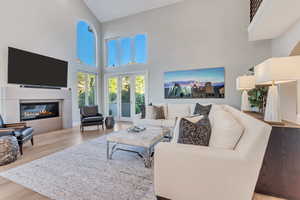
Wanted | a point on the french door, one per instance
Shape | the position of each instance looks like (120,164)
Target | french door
(125,95)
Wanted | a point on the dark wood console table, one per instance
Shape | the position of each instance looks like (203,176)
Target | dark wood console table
(280,173)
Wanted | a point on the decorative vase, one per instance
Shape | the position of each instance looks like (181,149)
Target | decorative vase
(109,122)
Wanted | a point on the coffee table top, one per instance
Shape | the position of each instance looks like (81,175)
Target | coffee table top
(146,139)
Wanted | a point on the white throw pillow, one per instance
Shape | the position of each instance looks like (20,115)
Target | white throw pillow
(226,130)
(150,114)
(178,110)
(177,126)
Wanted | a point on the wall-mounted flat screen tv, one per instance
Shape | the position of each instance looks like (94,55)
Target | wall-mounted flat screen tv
(30,69)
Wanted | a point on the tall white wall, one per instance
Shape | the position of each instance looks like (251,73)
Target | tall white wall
(194,34)
(47,27)
(289,93)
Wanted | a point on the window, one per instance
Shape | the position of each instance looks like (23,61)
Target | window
(86,44)
(86,89)
(126,50)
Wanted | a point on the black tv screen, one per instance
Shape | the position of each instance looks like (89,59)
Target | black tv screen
(32,69)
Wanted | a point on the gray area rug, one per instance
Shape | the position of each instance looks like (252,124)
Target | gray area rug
(82,172)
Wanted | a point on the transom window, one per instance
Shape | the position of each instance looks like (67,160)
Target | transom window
(86,44)
(127,50)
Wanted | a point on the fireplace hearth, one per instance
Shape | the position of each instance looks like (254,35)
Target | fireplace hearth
(38,110)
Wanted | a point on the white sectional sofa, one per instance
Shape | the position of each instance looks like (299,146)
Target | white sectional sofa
(189,172)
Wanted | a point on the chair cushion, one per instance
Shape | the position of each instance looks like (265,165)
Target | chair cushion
(89,111)
(226,130)
(23,133)
(92,119)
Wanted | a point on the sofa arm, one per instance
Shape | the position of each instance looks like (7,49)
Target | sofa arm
(196,172)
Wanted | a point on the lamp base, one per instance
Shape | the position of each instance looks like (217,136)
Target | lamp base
(245,101)
(272,112)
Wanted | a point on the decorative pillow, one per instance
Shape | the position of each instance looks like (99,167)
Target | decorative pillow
(150,112)
(202,110)
(195,133)
(159,112)
(226,130)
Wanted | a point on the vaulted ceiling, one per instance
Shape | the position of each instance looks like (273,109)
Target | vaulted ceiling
(106,10)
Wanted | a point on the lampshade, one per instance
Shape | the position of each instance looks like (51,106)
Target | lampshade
(245,82)
(278,70)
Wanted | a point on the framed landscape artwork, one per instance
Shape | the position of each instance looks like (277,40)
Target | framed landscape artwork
(197,83)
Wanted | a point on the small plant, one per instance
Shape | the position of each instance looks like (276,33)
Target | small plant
(258,97)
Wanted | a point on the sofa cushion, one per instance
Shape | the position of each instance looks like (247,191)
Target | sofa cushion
(202,110)
(178,110)
(226,130)
(194,133)
(169,123)
(148,122)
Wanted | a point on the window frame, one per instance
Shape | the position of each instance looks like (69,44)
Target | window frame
(131,36)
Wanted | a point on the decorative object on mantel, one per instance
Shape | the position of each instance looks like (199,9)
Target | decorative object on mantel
(272,72)
(245,83)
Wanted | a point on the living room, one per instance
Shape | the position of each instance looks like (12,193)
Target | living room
(123,99)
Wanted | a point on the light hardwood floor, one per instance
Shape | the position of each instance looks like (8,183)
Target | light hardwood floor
(48,143)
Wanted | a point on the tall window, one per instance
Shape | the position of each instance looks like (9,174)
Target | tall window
(86,89)
(126,50)
(86,44)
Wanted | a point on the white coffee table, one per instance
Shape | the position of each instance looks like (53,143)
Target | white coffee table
(146,139)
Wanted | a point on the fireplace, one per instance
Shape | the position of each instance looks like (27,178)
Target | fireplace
(38,110)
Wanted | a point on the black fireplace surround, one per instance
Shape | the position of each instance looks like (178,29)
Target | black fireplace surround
(38,110)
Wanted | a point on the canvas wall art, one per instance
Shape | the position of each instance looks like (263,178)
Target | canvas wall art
(197,83)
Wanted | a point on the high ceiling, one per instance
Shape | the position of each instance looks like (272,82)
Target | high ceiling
(106,10)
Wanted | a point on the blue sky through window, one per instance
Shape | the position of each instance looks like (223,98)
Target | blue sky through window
(140,43)
(112,53)
(86,44)
(126,51)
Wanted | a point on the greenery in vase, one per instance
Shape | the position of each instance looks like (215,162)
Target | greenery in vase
(257,98)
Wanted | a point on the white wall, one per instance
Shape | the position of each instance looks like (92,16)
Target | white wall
(290,93)
(194,34)
(47,27)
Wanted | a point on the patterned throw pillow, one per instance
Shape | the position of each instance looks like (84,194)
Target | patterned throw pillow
(202,110)
(195,133)
(159,112)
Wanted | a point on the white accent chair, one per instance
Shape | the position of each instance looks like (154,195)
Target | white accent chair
(188,172)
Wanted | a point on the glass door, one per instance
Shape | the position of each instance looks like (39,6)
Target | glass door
(113,96)
(126,96)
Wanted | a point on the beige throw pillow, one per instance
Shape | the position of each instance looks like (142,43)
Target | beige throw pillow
(226,130)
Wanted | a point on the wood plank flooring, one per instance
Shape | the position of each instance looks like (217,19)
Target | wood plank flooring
(48,143)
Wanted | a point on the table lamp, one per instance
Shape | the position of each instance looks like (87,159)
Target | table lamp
(245,83)
(273,72)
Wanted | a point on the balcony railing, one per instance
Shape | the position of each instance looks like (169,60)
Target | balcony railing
(254,6)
